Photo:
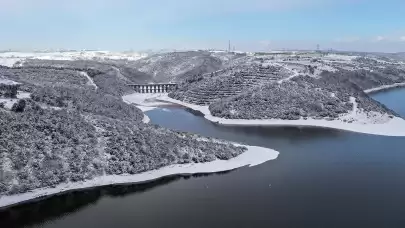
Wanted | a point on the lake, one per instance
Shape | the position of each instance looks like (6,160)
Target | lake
(322,178)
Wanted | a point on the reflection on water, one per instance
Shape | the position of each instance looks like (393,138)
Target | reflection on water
(322,178)
(55,207)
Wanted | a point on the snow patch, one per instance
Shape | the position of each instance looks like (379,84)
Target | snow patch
(8,82)
(145,108)
(145,102)
(9,102)
(145,99)
(145,119)
(90,80)
(340,57)
(9,62)
(295,74)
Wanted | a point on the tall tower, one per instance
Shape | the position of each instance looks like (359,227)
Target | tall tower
(229,46)
(317,47)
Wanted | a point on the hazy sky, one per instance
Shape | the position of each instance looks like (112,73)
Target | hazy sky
(363,25)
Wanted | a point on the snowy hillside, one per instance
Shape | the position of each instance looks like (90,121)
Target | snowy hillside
(300,97)
(74,127)
(69,122)
(173,66)
(11,59)
(295,86)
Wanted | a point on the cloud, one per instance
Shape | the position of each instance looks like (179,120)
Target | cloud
(379,38)
(391,38)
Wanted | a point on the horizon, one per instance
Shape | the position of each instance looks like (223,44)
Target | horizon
(162,50)
(254,26)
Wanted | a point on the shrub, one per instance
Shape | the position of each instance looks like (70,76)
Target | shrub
(19,106)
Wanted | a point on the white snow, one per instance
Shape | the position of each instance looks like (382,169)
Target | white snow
(8,82)
(146,119)
(294,74)
(9,62)
(340,57)
(252,157)
(355,110)
(23,95)
(368,123)
(145,99)
(9,102)
(10,58)
(384,87)
(325,67)
(90,80)
(145,102)
(145,108)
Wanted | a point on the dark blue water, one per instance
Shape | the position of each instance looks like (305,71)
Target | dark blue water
(322,178)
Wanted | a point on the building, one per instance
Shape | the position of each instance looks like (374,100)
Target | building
(8,88)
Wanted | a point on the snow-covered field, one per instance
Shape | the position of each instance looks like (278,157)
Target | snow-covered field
(9,59)
(356,121)
(252,157)
(340,57)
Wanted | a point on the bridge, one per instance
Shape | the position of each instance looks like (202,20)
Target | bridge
(154,88)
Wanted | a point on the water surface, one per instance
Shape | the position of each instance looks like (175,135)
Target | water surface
(322,178)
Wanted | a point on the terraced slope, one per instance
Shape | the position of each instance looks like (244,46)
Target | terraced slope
(301,97)
(291,87)
(227,83)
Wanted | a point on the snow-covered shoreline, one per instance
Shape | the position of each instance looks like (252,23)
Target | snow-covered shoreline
(141,102)
(145,100)
(393,127)
(385,87)
(252,157)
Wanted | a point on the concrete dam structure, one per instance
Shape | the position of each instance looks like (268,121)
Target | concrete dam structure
(154,88)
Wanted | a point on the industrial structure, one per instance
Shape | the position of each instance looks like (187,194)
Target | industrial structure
(154,88)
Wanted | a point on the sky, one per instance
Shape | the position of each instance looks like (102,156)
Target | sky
(251,25)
